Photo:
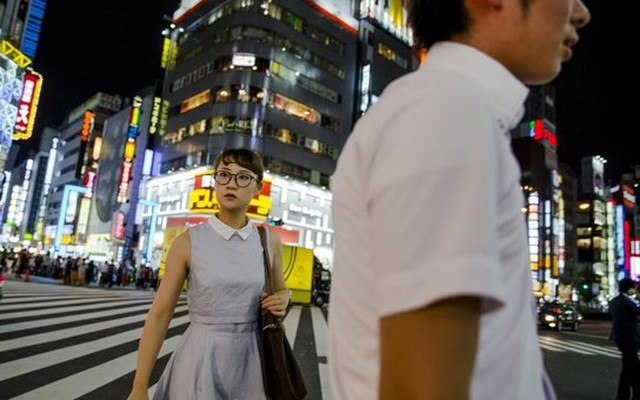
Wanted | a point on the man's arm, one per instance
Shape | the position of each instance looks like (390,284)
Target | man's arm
(429,353)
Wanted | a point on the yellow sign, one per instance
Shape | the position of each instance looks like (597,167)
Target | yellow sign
(202,199)
(297,265)
(170,234)
(14,54)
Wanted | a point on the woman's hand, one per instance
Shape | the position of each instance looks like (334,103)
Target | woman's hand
(276,303)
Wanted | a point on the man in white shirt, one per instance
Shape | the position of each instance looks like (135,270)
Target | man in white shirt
(431,296)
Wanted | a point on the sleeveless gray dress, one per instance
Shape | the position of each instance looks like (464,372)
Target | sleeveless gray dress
(217,357)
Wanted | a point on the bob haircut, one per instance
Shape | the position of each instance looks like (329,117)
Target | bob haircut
(244,158)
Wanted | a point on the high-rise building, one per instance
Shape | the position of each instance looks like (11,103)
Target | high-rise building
(80,138)
(20,22)
(274,76)
(534,144)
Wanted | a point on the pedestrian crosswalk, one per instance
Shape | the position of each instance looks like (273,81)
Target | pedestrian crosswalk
(60,342)
(570,345)
(81,343)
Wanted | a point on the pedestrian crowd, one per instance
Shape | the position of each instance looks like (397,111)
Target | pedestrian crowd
(77,271)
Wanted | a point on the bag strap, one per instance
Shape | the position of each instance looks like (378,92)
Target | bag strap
(267,262)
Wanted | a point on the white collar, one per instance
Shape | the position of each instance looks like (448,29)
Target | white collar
(227,232)
(507,92)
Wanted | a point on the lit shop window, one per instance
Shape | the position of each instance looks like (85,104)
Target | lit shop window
(303,112)
(584,243)
(295,78)
(260,35)
(239,93)
(184,133)
(195,101)
(584,231)
(230,124)
(391,55)
(313,145)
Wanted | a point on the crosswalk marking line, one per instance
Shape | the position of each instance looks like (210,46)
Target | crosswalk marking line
(580,346)
(44,360)
(91,379)
(325,389)
(291,324)
(566,347)
(60,320)
(71,307)
(319,331)
(37,300)
(610,350)
(544,346)
(26,341)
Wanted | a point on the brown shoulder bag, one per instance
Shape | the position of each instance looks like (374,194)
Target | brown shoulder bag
(281,374)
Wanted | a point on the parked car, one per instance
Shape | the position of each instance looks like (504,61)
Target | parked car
(559,316)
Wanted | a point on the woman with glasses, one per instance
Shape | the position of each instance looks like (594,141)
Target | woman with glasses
(217,356)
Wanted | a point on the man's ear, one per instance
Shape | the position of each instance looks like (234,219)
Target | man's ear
(258,188)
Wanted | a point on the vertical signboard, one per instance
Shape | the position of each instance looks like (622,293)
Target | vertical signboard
(28,105)
(129,150)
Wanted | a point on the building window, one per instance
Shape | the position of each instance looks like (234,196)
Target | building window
(303,112)
(240,93)
(391,55)
(195,101)
(295,78)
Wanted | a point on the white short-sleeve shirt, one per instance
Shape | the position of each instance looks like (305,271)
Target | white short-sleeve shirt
(427,206)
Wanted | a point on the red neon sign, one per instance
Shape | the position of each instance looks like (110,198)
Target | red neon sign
(28,105)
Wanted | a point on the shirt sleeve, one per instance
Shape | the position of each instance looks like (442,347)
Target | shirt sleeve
(433,207)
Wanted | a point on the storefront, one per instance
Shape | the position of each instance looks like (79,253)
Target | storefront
(299,212)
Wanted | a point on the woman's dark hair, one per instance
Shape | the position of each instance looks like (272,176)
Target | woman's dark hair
(437,20)
(244,158)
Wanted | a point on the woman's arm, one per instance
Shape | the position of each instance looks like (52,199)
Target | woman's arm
(161,312)
(277,303)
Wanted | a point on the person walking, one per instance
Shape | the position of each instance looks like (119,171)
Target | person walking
(624,332)
(431,292)
(217,357)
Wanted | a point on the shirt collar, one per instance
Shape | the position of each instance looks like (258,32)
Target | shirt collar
(227,232)
(507,92)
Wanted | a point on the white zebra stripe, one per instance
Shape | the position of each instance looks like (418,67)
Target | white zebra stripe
(71,307)
(26,341)
(43,360)
(61,320)
(87,381)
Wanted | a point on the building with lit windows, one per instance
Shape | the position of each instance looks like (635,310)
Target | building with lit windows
(287,79)
(20,23)
(278,77)
(534,144)
(76,164)
(596,223)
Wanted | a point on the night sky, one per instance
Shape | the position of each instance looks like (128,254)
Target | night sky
(114,46)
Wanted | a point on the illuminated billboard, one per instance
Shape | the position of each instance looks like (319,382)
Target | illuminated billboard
(129,150)
(28,105)
(202,199)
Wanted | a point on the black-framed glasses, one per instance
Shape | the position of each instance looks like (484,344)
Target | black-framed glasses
(242,179)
